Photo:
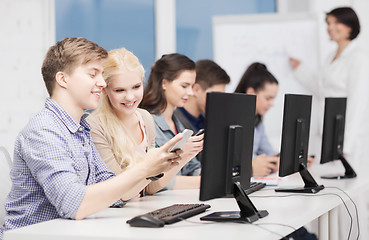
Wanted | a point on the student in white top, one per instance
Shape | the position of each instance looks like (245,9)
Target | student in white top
(344,74)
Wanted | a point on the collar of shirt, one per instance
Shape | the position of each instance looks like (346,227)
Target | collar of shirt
(349,48)
(198,123)
(64,117)
(163,125)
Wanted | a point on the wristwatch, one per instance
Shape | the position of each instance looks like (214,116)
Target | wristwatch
(155,177)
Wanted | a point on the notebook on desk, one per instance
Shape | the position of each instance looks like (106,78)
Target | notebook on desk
(270,180)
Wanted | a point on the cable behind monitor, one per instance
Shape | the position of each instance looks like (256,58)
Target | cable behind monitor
(323,194)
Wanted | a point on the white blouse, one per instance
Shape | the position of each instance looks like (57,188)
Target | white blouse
(347,76)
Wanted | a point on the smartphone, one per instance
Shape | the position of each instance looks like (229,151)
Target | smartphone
(201,131)
(187,133)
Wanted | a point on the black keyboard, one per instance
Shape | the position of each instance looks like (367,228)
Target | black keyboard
(167,215)
(254,186)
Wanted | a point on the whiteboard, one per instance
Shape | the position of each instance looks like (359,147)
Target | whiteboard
(270,39)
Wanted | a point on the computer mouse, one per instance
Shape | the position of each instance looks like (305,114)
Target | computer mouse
(145,221)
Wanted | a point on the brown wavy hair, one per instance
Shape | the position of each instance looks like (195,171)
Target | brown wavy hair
(168,67)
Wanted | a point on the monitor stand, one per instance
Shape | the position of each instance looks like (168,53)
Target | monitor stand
(311,186)
(248,212)
(349,171)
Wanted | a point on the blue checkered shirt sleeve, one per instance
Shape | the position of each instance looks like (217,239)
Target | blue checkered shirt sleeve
(54,162)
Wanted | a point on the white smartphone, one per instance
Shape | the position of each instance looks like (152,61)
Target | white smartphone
(187,133)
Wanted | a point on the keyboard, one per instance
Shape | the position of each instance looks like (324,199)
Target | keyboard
(167,215)
(254,186)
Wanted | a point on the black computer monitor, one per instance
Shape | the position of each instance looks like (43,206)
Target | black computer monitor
(227,154)
(333,135)
(295,142)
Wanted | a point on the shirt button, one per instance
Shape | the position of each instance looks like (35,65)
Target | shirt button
(80,129)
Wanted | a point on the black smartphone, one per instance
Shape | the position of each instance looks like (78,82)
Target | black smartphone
(201,131)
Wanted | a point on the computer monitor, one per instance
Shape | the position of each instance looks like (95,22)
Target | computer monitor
(295,142)
(227,154)
(333,135)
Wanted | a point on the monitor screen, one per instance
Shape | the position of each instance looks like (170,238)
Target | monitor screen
(333,135)
(227,154)
(295,141)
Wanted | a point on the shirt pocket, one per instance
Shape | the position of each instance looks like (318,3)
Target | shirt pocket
(80,164)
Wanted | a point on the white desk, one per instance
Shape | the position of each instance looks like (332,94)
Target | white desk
(293,211)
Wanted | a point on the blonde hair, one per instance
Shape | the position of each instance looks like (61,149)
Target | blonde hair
(118,136)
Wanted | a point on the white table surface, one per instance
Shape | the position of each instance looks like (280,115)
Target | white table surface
(286,213)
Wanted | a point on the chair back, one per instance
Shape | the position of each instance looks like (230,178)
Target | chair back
(5,182)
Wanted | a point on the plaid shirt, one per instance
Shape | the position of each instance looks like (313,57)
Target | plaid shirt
(54,161)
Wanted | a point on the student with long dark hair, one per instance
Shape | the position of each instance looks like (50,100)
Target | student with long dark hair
(170,86)
(259,81)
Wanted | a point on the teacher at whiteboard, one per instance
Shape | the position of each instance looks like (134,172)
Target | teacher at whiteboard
(345,73)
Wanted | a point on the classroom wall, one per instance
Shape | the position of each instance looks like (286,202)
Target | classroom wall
(319,8)
(27,30)
(194,31)
(111,24)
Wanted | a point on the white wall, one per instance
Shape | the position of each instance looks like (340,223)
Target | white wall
(27,30)
(361,7)
(165,27)
(319,8)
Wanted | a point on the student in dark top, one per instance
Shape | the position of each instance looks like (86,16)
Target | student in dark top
(210,77)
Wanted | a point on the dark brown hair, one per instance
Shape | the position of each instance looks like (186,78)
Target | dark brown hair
(256,76)
(347,16)
(168,67)
(208,74)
